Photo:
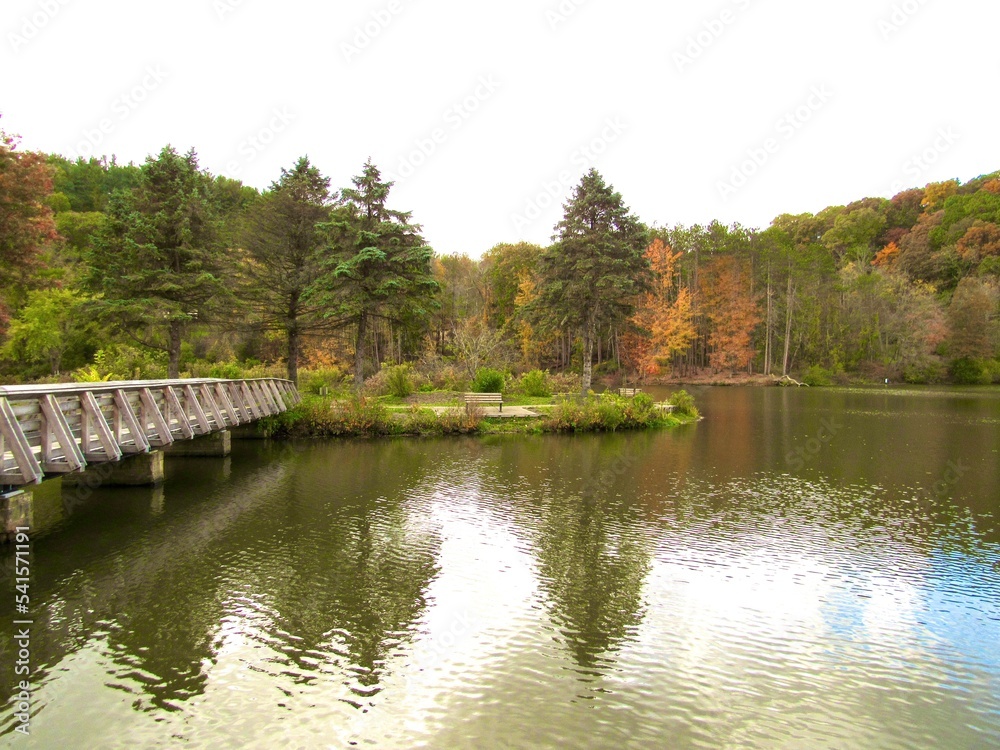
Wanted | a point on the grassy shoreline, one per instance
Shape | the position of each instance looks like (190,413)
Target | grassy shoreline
(327,416)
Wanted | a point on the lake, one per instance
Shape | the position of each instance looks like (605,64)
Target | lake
(805,568)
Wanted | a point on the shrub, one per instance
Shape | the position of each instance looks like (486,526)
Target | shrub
(361,416)
(421,422)
(683,403)
(488,380)
(400,381)
(442,374)
(818,377)
(314,380)
(89,374)
(535,383)
(316,416)
(377,384)
(924,370)
(460,421)
(123,362)
(969,371)
(451,422)
(645,401)
(564,382)
(992,368)
(608,412)
(572,415)
(640,411)
(226,371)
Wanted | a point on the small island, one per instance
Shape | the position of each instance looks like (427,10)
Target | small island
(453,413)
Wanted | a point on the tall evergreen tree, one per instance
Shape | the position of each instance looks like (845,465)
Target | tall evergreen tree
(281,260)
(378,267)
(156,262)
(597,266)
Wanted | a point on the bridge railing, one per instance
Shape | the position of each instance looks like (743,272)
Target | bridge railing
(60,429)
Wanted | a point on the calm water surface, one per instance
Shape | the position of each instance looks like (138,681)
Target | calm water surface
(802,569)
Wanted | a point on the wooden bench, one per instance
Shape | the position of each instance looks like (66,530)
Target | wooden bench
(483,399)
(629,392)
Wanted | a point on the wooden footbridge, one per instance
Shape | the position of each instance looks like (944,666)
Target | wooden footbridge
(62,429)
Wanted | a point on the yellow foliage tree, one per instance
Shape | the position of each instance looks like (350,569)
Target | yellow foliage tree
(936,193)
(534,343)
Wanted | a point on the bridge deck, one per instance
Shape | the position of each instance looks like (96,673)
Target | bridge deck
(62,428)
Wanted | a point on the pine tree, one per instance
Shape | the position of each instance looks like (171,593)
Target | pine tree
(282,253)
(156,262)
(378,267)
(595,269)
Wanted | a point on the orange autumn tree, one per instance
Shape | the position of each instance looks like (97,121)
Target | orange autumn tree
(980,241)
(728,303)
(886,256)
(664,313)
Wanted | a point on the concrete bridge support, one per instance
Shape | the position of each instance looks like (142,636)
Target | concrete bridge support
(116,433)
(142,470)
(15,512)
(215,445)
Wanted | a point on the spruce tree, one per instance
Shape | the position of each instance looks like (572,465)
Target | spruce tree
(156,262)
(596,266)
(378,265)
(281,259)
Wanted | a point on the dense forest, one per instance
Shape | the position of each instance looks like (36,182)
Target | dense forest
(112,271)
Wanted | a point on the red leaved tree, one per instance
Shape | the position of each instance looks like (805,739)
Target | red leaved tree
(26,222)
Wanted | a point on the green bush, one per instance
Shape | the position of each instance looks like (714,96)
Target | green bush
(89,374)
(924,371)
(818,377)
(610,415)
(488,380)
(535,383)
(643,401)
(123,362)
(400,380)
(419,421)
(970,371)
(452,422)
(640,411)
(313,381)
(683,403)
(607,367)
(572,415)
(460,422)
(992,368)
(226,371)
(607,412)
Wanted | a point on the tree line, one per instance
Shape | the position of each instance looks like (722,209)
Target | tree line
(124,270)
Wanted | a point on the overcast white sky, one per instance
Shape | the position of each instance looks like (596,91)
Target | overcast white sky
(487,113)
